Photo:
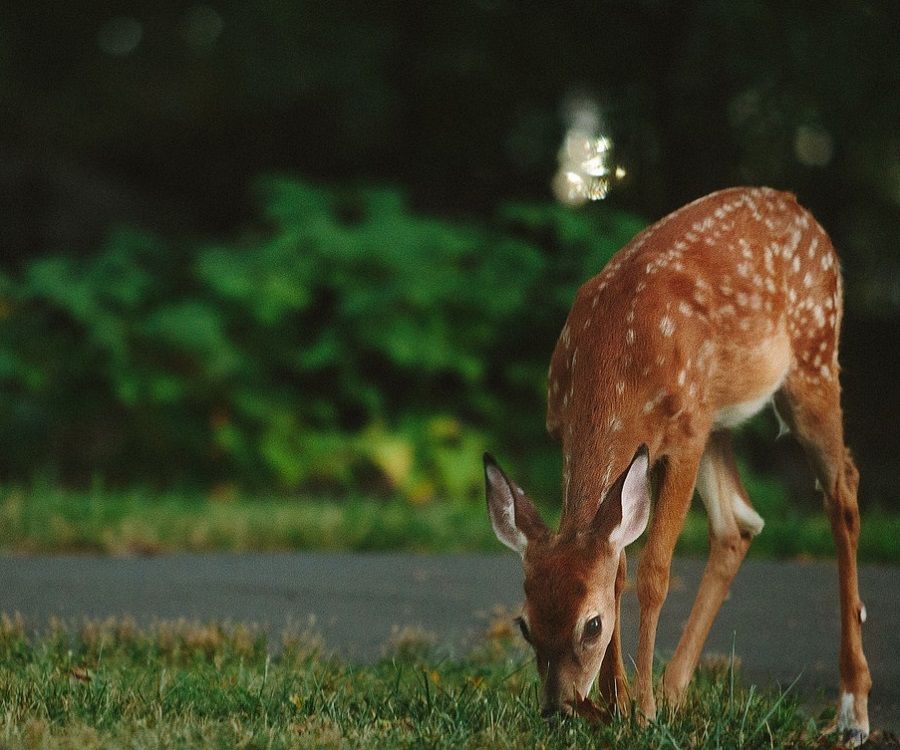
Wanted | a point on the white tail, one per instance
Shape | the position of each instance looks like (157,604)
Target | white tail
(699,322)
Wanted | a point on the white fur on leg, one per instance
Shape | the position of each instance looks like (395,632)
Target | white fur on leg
(855,732)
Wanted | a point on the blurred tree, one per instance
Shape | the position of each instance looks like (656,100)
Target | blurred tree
(352,342)
(159,115)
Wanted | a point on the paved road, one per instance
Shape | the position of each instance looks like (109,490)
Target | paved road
(782,617)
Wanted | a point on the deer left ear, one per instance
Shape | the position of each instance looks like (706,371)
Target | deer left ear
(625,511)
(515,520)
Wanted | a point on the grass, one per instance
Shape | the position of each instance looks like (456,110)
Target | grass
(47,519)
(112,685)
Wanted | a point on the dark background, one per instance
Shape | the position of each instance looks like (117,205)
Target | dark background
(166,118)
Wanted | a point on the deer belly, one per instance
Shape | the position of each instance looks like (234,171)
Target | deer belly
(756,373)
(733,415)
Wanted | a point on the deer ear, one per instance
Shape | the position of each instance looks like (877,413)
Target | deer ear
(623,514)
(515,520)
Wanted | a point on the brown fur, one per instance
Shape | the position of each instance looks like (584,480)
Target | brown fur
(692,326)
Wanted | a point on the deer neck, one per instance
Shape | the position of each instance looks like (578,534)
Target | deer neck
(595,453)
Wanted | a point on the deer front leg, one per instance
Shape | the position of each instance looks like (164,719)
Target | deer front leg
(732,524)
(611,680)
(656,559)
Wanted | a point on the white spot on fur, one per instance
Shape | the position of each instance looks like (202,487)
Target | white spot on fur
(629,336)
(819,315)
(807,279)
(655,401)
(666,325)
(620,387)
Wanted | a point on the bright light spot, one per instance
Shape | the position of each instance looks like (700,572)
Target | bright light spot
(585,172)
(120,36)
(201,26)
(569,187)
(813,146)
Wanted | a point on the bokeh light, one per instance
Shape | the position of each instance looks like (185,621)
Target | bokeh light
(201,27)
(813,146)
(120,36)
(585,172)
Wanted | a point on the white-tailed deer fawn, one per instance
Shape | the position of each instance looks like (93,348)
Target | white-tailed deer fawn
(700,321)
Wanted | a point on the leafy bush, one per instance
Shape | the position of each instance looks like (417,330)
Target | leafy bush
(347,341)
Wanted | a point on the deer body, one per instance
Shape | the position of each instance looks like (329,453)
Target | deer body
(699,322)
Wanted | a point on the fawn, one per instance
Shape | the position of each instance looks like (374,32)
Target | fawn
(729,303)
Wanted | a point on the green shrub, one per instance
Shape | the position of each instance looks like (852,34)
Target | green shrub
(347,341)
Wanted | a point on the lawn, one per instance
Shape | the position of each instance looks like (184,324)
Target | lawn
(112,685)
(46,519)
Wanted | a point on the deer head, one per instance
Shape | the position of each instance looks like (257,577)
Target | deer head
(570,579)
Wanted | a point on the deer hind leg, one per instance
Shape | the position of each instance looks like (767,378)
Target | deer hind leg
(811,407)
(611,680)
(732,524)
(675,493)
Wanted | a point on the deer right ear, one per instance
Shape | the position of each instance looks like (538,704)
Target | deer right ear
(625,511)
(515,519)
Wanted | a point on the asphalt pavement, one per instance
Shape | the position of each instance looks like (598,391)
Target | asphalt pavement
(782,618)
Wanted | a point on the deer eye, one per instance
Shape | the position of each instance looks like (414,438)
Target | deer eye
(592,629)
(523,626)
